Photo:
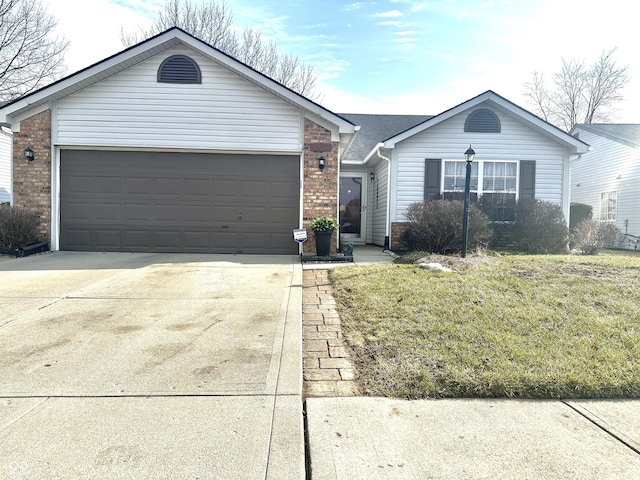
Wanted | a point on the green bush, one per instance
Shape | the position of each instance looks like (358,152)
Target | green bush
(540,227)
(579,212)
(590,236)
(436,226)
(18,227)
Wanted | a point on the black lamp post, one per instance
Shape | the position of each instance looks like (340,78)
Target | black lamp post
(469,154)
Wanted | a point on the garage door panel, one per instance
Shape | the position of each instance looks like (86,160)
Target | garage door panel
(76,184)
(284,191)
(167,187)
(78,238)
(107,212)
(107,185)
(77,211)
(178,202)
(225,189)
(194,187)
(196,214)
(137,212)
(106,238)
(138,186)
(164,214)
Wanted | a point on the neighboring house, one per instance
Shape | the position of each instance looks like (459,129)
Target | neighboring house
(518,155)
(6,139)
(173,146)
(608,177)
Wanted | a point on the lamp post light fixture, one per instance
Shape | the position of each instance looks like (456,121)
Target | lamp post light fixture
(372,177)
(29,155)
(321,162)
(469,156)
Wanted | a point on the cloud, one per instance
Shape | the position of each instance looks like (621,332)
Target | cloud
(406,32)
(354,6)
(489,4)
(390,23)
(404,40)
(418,7)
(389,14)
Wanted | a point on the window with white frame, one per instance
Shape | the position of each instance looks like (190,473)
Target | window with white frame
(493,186)
(608,206)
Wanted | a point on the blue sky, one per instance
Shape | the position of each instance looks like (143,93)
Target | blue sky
(400,56)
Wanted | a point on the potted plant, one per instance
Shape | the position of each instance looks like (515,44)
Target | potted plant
(323,228)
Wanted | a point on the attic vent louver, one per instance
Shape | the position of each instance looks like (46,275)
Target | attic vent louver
(482,121)
(179,69)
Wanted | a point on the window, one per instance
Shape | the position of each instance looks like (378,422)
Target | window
(179,69)
(495,194)
(608,206)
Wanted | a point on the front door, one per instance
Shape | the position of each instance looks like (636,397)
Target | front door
(352,207)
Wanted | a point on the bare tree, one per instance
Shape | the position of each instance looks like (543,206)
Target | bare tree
(31,56)
(212,22)
(580,93)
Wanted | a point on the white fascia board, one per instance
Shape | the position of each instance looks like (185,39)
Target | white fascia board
(373,153)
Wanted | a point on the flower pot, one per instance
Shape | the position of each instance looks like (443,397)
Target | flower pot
(323,242)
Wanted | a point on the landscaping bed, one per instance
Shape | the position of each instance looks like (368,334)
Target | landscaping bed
(498,326)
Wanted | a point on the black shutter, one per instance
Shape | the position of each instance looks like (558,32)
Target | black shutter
(527,179)
(432,179)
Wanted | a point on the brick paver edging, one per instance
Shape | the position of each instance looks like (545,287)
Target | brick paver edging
(328,371)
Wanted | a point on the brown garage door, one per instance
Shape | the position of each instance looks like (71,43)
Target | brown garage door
(178,202)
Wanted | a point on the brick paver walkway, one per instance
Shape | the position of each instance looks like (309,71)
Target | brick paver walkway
(328,371)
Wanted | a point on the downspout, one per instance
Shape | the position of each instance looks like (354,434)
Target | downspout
(388,222)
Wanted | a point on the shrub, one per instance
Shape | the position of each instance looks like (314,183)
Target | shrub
(540,227)
(18,227)
(436,226)
(591,235)
(579,212)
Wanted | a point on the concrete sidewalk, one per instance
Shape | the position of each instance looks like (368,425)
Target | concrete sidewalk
(379,438)
(150,366)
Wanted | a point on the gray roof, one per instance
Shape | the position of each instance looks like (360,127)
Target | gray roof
(627,133)
(375,129)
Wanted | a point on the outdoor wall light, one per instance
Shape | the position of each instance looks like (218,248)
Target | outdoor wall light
(29,155)
(372,177)
(321,161)
(469,155)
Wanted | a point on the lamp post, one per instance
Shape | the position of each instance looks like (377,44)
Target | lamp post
(469,155)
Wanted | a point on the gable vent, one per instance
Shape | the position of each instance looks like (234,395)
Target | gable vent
(482,121)
(179,69)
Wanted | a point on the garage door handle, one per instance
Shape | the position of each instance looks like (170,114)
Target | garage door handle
(239,216)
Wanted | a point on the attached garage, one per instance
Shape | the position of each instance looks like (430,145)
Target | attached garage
(178,202)
(173,146)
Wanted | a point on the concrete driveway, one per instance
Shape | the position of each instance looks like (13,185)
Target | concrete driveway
(120,365)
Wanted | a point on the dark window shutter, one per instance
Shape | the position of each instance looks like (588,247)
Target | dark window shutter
(432,179)
(527,179)
(179,69)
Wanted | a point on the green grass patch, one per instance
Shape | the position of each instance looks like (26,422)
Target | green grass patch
(510,326)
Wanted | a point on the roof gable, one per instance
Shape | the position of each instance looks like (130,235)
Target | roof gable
(149,48)
(492,100)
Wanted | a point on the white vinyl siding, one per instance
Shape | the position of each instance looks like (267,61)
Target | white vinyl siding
(448,140)
(610,166)
(132,109)
(5,166)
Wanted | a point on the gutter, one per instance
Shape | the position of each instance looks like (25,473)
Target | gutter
(388,222)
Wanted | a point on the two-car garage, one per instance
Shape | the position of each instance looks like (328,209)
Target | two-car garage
(178,202)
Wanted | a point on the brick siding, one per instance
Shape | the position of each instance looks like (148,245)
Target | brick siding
(320,188)
(32,180)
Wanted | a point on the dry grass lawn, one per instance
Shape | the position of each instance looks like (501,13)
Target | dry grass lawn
(508,326)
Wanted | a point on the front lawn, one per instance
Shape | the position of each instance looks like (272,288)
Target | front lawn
(510,326)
